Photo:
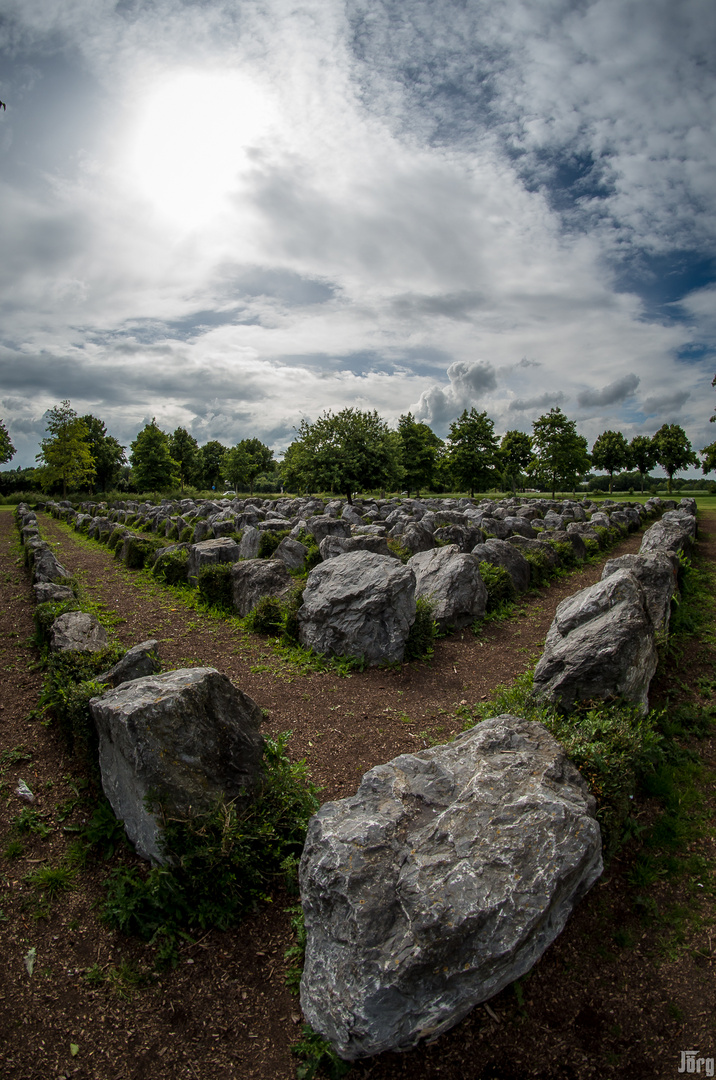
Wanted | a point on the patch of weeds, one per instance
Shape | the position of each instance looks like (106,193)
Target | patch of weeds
(13,850)
(45,614)
(269,541)
(52,880)
(540,570)
(220,864)
(295,954)
(501,592)
(101,836)
(313,558)
(14,756)
(317,1056)
(419,643)
(69,684)
(214,584)
(31,821)
(267,617)
(399,551)
(139,550)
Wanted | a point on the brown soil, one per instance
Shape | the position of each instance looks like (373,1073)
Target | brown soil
(590,1008)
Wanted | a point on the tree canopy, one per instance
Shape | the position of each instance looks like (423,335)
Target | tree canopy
(243,463)
(516,454)
(65,454)
(560,453)
(7,450)
(420,452)
(673,450)
(153,467)
(473,452)
(210,458)
(642,455)
(184,448)
(108,454)
(610,453)
(347,451)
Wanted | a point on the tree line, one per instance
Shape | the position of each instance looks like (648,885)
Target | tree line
(351,451)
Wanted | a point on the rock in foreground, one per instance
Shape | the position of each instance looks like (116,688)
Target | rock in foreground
(187,737)
(441,881)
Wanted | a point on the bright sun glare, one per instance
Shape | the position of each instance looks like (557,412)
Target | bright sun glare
(189,148)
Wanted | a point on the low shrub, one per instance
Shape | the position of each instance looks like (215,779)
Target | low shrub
(116,536)
(69,683)
(269,541)
(214,584)
(500,587)
(540,570)
(419,644)
(313,558)
(186,535)
(221,864)
(268,617)
(45,614)
(172,567)
(140,549)
(565,553)
(399,551)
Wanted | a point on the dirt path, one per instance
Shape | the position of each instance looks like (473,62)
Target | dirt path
(590,1008)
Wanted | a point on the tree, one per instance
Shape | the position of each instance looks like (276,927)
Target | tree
(560,453)
(244,462)
(610,453)
(473,453)
(709,455)
(673,450)
(210,459)
(516,454)
(420,448)
(642,455)
(346,451)
(109,456)
(153,467)
(7,450)
(183,448)
(65,453)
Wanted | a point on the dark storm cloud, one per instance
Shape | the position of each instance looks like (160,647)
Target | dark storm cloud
(615,392)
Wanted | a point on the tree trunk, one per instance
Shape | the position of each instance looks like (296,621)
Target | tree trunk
(348,496)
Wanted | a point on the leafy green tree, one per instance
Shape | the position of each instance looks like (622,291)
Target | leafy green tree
(7,450)
(346,451)
(153,467)
(709,458)
(610,453)
(108,454)
(673,450)
(65,454)
(642,455)
(244,462)
(516,454)
(560,453)
(210,459)
(421,449)
(184,448)
(473,452)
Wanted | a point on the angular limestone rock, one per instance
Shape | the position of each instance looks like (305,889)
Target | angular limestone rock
(451,582)
(256,578)
(186,737)
(141,660)
(47,590)
(442,880)
(601,644)
(77,631)
(45,567)
(359,604)
(501,553)
(657,575)
(210,552)
(333,546)
(673,534)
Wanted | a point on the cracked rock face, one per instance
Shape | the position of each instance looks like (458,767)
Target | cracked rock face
(442,880)
(359,604)
(601,644)
(452,583)
(187,738)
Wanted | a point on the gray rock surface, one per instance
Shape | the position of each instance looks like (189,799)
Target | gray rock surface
(501,553)
(77,631)
(465,536)
(323,525)
(359,604)
(416,537)
(657,575)
(249,544)
(671,534)
(601,645)
(292,553)
(45,567)
(451,582)
(138,662)
(442,880)
(256,578)
(210,552)
(189,737)
(333,546)
(47,590)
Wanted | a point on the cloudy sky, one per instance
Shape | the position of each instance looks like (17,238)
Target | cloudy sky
(233,214)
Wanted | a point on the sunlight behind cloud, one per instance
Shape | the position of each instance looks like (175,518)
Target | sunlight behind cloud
(190,145)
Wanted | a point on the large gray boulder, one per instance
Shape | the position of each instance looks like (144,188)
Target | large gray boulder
(45,567)
(671,534)
(256,578)
(333,546)
(452,583)
(77,631)
(601,644)
(657,575)
(502,553)
(249,544)
(292,553)
(416,537)
(185,739)
(138,662)
(210,552)
(47,590)
(465,536)
(359,604)
(442,880)
(324,525)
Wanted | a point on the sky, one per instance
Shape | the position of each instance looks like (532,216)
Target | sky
(232,215)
